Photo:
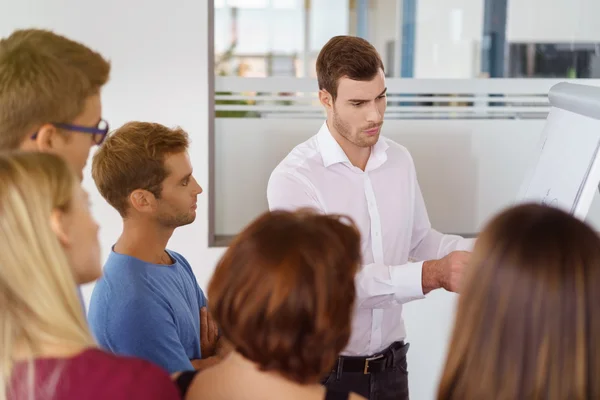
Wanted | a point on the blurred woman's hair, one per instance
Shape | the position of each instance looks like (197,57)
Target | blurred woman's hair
(39,303)
(283,293)
(528,319)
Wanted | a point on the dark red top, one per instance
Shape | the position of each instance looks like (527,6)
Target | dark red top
(93,374)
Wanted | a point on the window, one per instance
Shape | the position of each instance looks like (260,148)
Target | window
(438,57)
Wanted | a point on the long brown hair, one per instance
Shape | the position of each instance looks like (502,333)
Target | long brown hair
(528,319)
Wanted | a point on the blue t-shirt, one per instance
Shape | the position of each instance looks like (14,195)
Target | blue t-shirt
(148,310)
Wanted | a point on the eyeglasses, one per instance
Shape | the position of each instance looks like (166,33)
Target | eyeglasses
(98,132)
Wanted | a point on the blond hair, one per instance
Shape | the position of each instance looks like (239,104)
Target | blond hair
(39,304)
(44,78)
(132,157)
(527,323)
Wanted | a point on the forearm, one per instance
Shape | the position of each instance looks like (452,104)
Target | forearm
(222,349)
(204,363)
(435,248)
(431,276)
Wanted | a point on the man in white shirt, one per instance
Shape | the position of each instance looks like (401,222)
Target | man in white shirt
(347,168)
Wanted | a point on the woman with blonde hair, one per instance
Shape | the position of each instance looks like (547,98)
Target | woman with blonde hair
(282,295)
(528,318)
(49,245)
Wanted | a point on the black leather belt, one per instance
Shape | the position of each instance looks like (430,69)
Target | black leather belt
(368,365)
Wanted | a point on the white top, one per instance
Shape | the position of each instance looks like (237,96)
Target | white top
(386,203)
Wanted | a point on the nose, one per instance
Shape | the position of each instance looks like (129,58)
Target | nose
(197,187)
(374,114)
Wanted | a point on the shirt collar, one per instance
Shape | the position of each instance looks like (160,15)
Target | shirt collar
(332,152)
(330,149)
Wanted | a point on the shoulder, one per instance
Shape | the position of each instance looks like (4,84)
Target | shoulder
(187,268)
(182,261)
(305,155)
(123,270)
(126,304)
(297,169)
(395,149)
(127,374)
(398,155)
(121,286)
(178,257)
(205,382)
(102,359)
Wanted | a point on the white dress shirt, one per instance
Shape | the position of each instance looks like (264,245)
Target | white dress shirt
(386,203)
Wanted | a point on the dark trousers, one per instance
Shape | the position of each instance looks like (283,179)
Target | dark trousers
(382,376)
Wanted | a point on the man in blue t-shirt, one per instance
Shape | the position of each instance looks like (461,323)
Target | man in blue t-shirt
(148,303)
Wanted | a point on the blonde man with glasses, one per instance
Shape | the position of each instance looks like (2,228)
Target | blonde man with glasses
(50,95)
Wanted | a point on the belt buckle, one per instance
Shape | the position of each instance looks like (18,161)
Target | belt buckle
(366,369)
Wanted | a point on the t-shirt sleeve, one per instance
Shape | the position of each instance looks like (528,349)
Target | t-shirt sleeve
(199,293)
(146,328)
(201,298)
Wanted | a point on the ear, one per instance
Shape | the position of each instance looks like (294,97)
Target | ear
(142,200)
(58,226)
(48,138)
(326,99)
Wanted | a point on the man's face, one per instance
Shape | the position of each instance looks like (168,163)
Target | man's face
(72,145)
(177,202)
(76,148)
(357,113)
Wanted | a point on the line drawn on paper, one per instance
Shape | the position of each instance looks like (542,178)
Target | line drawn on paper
(549,200)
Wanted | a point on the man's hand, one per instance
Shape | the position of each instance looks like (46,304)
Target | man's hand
(208,334)
(175,375)
(446,272)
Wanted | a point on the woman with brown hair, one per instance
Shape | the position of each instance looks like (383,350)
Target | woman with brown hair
(528,325)
(282,295)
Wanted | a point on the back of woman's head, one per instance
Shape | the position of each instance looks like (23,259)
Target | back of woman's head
(527,324)
(283,293)
(38,298)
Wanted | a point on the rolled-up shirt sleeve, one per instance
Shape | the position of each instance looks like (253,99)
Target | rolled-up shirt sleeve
(385,286)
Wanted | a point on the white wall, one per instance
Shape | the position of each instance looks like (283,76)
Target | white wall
(462,165)
(158,52)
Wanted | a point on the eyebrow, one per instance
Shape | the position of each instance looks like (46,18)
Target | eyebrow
(188,176)
(364,100)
